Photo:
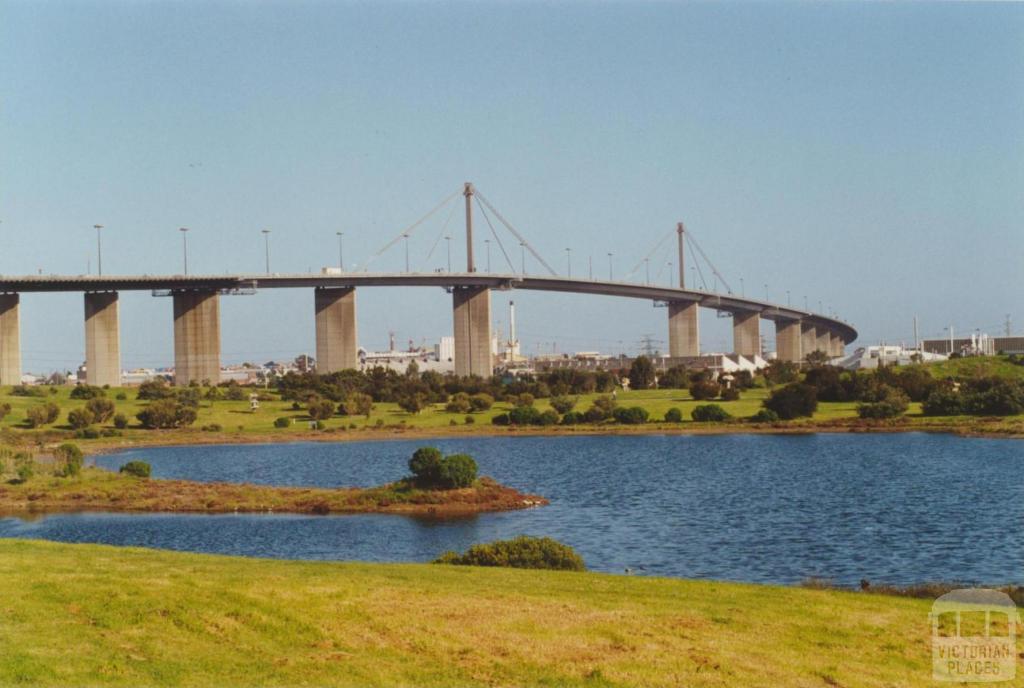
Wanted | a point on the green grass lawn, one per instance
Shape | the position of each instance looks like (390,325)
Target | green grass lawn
(98,615)
(236,420)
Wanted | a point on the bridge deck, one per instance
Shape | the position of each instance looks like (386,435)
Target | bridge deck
(723,302)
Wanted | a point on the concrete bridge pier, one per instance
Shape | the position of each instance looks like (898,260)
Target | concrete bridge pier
(472,316)
(808,339)
(196,337)
(787,340)
(102,339)
(838,347)
(824,341)
(746,333)
(10,340)
(336,347)
(683,329)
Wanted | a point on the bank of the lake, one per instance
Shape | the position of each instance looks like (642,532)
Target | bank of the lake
(88,614)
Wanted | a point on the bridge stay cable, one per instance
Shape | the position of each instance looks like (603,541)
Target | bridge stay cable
(409,230)
(648,256)
(520,237)
(714,270)
(440,235)
(495,235)
(696,264)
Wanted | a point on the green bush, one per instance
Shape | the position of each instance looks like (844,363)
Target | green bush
(42,414)
(704,389)
(523,552)
(562,404)
(888,402)
(320,409)
(152,390)
(481,402)
(709,413)
(765,415)
(25,467)
(5,409)
(121,396)
(793,400)
(469,420)
(27,391)
(548,417)
(730,394)
(357,404)
(166,413)
(524,400)
(282,422)
(457,470)
(573,418)
(82,391)
(432,470)
(425,465)
(943,402)
(501,419)
(101,409)
(994,397)
(87,433)
(212,427)
(68,458)
(673,415)
(632,415)
(120,421)
(459,403)
(524,415)
(80,418)
(139,469)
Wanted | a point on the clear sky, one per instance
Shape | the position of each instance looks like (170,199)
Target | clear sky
(870,155)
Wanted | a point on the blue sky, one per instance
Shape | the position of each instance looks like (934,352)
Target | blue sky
(870,155)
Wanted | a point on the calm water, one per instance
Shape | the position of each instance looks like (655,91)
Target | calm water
(897,508)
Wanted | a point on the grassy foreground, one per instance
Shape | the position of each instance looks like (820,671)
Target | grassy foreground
(98,615)
(96,489)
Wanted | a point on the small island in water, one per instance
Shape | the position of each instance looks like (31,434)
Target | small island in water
(439,486)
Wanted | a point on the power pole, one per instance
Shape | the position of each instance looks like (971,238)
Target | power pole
(917,341)
(1007,330)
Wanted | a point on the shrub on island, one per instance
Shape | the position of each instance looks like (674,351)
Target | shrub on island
(282,422)
(523,552)
(673,415)
(431,470)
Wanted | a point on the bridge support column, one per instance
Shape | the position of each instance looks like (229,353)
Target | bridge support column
(838,347)
(746,333)
(10,340)
(825,341)
(102,339)
(683,330)
(808,339)
(787,340)
(472,311)
(336,347)
(196,337)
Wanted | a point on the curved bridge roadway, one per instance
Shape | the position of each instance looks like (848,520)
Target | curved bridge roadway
(197,336)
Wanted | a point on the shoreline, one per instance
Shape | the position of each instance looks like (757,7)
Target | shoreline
(178,438)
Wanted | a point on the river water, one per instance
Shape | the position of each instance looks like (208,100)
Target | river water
(896,508)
